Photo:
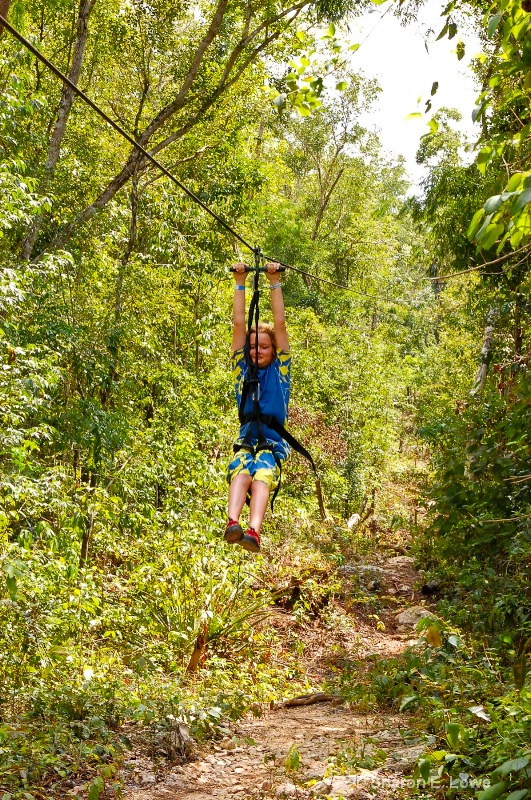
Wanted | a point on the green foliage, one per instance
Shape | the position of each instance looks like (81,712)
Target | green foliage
(480,530)
(502,107)
(476,728)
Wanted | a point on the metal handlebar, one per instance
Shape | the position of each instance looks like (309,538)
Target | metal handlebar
(259,269)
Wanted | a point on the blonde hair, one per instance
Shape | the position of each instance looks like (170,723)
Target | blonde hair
(264,327)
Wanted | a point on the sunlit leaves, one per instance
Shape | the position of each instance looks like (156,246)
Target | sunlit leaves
(494,21)
(506,214)
(506,97)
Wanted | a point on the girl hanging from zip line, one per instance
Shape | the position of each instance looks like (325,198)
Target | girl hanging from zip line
(251,472)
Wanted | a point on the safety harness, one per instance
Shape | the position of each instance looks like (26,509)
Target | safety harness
(251,387)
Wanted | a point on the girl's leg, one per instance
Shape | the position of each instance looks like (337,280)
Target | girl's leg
(259,500)
(237,493)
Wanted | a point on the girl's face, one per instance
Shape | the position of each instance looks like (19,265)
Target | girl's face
(266,352)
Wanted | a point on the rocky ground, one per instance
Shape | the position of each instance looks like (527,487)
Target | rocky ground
(318,747)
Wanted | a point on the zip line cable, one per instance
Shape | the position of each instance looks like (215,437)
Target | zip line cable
(37,53)
(80,93)
(338,285)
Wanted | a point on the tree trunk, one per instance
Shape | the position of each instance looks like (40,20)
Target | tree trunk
(486,352)
(65,106)
(324,201)
(518,330)
(88,521)
(198,653)
(4,11)
(114,337)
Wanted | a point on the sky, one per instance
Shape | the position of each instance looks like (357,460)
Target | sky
(398,58)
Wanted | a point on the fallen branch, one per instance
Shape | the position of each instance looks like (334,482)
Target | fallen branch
(310,699)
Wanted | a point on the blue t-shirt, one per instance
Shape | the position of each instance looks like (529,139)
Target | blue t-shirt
(274,392)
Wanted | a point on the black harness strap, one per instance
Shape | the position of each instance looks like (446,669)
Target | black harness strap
(273,423)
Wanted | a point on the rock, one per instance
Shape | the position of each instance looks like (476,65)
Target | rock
(322,788)
(404,589)
(410,616)
(176,782)
(431,587)
(348,569)
(228,744)
(148,777)
(374,586)
(287,790)
(337,786)
(368,776)
(401,561)
(357,569)
(354,520)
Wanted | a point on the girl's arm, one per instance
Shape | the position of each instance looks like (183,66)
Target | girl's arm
(239,330)
(277,306)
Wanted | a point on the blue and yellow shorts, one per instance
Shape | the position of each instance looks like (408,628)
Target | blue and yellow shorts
(261,467)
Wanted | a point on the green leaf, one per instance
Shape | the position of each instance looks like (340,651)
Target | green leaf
(514,765)
(425,768)
(433,636)
(460,50)
(341,85)
(477,112)
(523,199)
(96,788)
(11,583)
(442,33)
(484,156)
(303,109)
(493,204)
(414,115)
(493,24)
(494,791)
(452,30)
(331,30)
(481,233)
(59,651)
(518,795)
(453,729)
(515,181)
(491,236)
(526,50)
(474,224)
(354,47)
(434,87)
(412,698)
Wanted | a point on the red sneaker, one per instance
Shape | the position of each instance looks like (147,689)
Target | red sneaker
(233,532)
(250,541)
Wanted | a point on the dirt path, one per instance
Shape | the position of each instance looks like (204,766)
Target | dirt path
(319,750)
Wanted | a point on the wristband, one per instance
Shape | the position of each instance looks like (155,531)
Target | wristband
(239,287)
(275,286)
